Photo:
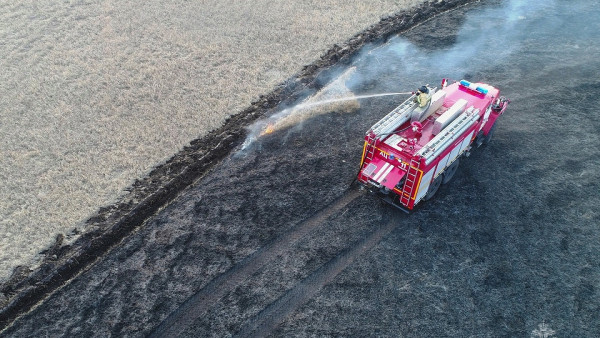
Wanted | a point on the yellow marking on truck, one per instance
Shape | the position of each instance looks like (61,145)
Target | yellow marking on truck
(362,160)
(415,191)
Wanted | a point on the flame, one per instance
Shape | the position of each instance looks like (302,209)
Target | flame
(268,130)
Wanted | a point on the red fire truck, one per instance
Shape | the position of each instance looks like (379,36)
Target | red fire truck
(410,152)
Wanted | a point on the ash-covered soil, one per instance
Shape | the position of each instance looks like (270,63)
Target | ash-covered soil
(64,259)
(274,242)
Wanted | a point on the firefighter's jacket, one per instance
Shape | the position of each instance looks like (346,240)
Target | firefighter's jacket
(422,99)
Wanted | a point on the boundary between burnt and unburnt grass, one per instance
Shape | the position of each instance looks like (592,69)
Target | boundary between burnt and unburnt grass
(146,196)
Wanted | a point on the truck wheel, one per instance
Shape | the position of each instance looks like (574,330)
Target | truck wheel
(433,188)
(449,173)
(488,137)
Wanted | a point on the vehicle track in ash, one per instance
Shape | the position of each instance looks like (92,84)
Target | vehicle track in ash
(263,324)
(197,305)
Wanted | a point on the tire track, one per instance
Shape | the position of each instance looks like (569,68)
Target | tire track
(198,304)
(267,320)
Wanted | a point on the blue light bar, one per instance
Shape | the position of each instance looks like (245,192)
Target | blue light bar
(472,86)
(481,90)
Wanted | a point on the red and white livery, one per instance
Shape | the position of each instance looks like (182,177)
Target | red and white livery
(409,153)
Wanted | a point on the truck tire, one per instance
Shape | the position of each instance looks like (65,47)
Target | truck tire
(433,188)
(449,173)
(487,138)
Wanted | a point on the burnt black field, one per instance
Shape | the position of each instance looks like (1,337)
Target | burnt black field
(274,240)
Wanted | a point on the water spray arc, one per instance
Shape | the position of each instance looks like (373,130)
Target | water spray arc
(335,96)
(341,99)
(271,126)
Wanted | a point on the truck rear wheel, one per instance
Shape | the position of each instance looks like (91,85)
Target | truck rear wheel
(433,187)
(449,173)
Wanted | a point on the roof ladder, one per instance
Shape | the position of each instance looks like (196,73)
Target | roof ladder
(395,118)
(412,176)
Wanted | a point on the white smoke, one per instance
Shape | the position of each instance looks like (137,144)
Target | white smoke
(487,36)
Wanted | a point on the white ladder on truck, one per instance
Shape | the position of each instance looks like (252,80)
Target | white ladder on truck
(368,156)
(412,176)
(394,119)
(370,150)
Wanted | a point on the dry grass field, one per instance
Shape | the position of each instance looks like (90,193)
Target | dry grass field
(95,93)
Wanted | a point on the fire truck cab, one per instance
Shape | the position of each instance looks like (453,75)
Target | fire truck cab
(411,151)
